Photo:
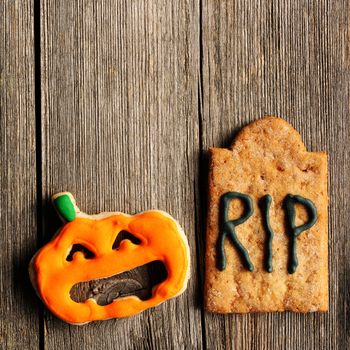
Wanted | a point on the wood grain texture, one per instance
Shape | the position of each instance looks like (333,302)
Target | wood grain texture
(291,59)
(18,237)
(120,131)
(121,128)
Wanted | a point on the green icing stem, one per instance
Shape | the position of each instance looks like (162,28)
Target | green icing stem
(228,229)
(295,231)
(265,204)
(65,207)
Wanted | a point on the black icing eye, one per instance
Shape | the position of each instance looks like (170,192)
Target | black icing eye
(125,235)
(88,254)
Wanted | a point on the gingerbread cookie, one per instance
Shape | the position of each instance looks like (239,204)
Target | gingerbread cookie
(110,265)
(267,238)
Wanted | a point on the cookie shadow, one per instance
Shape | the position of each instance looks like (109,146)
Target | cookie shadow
(201,213)
(230,137)
(50,222)
(23,290)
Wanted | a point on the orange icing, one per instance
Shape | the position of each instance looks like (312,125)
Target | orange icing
(160,240)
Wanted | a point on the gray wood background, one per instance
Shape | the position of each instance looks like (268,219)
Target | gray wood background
(118,102)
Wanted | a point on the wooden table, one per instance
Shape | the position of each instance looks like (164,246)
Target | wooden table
(118,101)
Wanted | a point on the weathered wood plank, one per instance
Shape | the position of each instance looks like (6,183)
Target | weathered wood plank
(19,323)
(120,131)
(286,58)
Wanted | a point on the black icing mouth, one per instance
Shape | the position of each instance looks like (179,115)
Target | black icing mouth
(137,282)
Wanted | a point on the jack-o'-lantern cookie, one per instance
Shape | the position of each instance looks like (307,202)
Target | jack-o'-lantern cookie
(109,265)
(267,238)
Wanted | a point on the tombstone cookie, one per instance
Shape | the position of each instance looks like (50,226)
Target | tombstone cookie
(267,239)
(109,265)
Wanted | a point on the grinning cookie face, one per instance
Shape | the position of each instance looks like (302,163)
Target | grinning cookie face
(84,250)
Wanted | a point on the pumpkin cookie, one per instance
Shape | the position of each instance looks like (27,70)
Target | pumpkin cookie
(267,238)
(109,265)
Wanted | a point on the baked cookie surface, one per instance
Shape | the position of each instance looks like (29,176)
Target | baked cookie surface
(90,269)
(267,162)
